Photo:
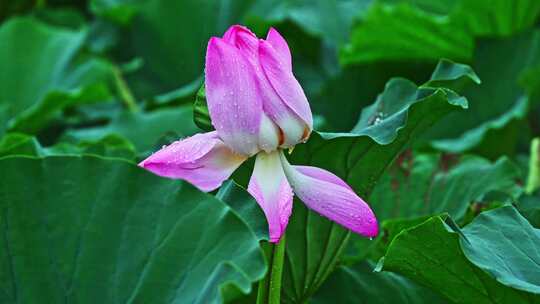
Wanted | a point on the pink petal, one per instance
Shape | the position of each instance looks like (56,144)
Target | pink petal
(244,40)
(203,160)
(284,83)
(270,188)
(234,104)
(328,195)
(280,46)
(293,128)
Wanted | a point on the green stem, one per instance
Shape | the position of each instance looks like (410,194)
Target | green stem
(270,287)
(125,93)
(533,181)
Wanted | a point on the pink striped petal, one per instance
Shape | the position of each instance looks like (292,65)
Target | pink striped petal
(203,160)
(280,46)
(269,186)
(284,83)
(330,196)
(234,103)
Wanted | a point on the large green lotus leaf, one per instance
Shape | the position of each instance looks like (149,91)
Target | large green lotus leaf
(166,35)
(504,244)
(497,108)
(245,205)
(39,74)
(148,131)
(430,254)
(405,32)
(429,30)
(491,126)
(484,17)
(500,128)
(530,80)
(119,11)
(36,117)
(441,7)
(111,145)
(359,249)
(314,243)
(429,183)
(496,17)
(359,284)
(4,116)
(331,20)
(529,207)
(101,230)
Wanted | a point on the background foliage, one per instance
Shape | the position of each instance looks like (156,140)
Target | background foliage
(427,108)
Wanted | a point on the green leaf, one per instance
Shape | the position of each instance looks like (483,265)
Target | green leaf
(144,130)
(110,146)
(429,30)
(390,229)
(485,131)
(61,16)
(4,116)
(404,32)
(330,20)
(165,35)
(245,205)
(429,184)
(455,76)
(496,17)
(530,80)
(430,254)
(391,107)
(126,235)
(315,243)
(529,207)
(440,7)
(20,144)
(37,84)
(359,284)
(120,11)
(37,116)
(492,125)
(201,116)
(484,17)
(505,245)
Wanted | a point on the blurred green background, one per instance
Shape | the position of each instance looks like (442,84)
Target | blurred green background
(117,79)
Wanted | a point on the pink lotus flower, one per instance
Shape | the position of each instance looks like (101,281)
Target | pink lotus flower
(258,108)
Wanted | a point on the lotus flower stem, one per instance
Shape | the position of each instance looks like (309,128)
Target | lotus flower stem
(270,287)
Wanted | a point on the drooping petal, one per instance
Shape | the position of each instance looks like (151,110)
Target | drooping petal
(270,188)
(203,160)
(234,103)
(328,195)
(280,46)
(284,83)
